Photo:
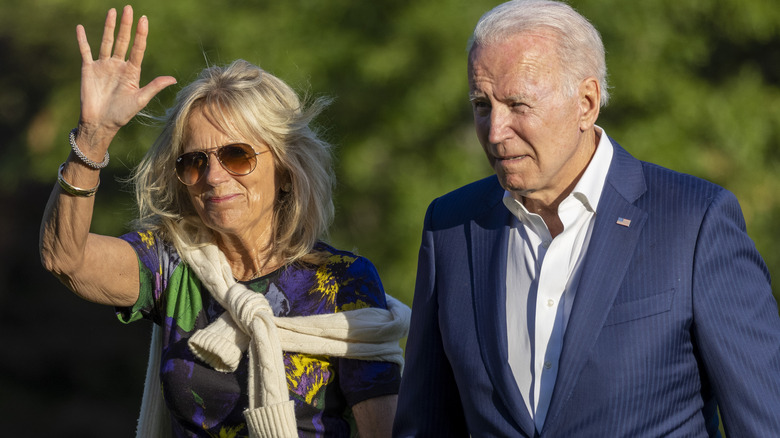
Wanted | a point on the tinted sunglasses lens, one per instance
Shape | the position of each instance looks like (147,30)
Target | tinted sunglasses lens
(191,166)
(238,159)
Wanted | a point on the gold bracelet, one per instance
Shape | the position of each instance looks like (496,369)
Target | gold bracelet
(73,190)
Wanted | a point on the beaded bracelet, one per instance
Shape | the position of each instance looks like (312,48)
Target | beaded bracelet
(73,190)
(82,157)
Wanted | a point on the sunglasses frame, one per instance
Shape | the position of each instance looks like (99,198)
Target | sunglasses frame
(252,159)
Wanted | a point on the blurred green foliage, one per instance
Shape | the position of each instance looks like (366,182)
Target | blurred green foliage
(695,87)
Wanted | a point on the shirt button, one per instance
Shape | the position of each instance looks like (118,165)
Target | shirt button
(547,365)
(546,244)
(550,303)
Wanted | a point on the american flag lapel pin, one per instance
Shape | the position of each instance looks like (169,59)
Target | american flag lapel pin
(623,221)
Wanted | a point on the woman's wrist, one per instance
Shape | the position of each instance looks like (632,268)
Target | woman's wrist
(82,156)
(73,190)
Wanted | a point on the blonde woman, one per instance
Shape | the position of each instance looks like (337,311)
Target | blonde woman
(261,328)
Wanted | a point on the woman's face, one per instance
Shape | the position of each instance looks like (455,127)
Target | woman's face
(233,206)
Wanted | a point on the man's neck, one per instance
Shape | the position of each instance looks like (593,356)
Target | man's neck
(548,208)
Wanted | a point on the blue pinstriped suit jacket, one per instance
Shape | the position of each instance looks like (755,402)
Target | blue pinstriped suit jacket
(674,318)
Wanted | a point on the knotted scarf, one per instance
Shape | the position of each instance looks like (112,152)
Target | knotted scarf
(250,325)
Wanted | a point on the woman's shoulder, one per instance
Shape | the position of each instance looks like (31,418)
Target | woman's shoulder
(152,250)
(349,262)
(349,280)
(329,250)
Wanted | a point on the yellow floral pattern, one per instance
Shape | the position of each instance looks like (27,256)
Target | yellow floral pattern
(307,375)
(328,283)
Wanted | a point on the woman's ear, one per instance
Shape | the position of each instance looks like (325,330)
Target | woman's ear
(286,182)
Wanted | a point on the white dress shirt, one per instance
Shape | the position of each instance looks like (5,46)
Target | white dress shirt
(541,279)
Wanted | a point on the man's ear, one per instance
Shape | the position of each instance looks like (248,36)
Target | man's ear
(589,94)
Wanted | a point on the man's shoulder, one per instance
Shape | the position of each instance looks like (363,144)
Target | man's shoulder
(657,178)
(474,190)
(669,181)
(468,201)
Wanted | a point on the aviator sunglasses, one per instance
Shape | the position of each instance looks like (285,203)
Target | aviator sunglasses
(237,159)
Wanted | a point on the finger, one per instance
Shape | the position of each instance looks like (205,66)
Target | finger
(123,37)
(107,43)
(81,37)
(139,44)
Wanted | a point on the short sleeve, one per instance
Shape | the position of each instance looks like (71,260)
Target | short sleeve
(361,379)
(156,261)
(360,286)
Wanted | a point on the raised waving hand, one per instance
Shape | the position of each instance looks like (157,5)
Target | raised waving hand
(110,85)
(102,269)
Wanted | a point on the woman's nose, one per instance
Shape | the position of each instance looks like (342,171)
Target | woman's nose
(215,173)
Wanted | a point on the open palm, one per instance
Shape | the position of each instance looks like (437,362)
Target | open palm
(110,86)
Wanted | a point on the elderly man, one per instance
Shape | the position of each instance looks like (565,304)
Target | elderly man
(580,292)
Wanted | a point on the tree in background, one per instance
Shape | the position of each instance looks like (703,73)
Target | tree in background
(696,87)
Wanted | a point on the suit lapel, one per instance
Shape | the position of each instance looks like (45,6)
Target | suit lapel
(611,245)
(488,239)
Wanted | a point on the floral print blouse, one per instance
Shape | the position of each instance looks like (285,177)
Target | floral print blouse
(204,402)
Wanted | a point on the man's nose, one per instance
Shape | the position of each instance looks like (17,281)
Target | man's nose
(499,125)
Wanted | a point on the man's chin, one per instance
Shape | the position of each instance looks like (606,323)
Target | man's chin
(517,189)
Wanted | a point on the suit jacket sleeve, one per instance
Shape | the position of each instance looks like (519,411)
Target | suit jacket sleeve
(736,324)
(429,401)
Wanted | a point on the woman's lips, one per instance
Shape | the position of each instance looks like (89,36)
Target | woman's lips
(220,199)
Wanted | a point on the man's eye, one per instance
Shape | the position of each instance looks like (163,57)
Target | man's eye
(480,106)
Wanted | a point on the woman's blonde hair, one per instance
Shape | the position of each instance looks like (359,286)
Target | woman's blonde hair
(244,99)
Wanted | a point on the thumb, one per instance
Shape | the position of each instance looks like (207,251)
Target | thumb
(154,87)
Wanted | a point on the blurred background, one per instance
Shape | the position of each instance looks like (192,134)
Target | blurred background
(695,87)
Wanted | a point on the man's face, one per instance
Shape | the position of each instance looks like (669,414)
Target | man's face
(530,127)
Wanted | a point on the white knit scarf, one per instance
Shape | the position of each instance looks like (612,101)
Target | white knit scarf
(249,324)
